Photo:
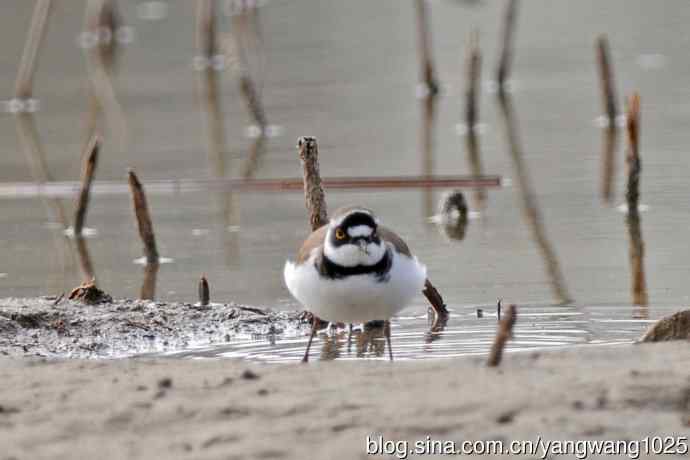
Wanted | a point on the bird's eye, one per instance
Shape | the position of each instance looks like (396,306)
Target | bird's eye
(339,234)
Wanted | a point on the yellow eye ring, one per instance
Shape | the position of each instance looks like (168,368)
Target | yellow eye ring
(339,234)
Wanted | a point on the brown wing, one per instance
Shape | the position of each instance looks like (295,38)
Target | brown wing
(314,240)
(395,240)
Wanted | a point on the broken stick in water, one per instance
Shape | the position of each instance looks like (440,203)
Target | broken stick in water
(313,192)
(204,295)
(608,94)
(90,163)
(144,223)
(632,195)
(503,334)
(503,70)
(434,298)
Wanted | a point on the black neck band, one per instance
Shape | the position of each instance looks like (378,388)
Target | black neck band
(329,269)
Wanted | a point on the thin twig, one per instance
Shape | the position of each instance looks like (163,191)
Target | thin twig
(36,35)
(144,224)
(503,71)
(427,73)
(86,180)
(503,334)
(313,192)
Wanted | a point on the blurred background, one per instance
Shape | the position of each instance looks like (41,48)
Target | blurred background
(348,73)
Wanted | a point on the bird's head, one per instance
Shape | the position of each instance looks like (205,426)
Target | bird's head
(352,238)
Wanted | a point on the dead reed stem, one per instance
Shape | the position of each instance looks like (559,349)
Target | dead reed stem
(88,172)
(472,90)
(313,192)
(530,206)
(608,94)
(204,295)
(148,286)
(35,37)
(85,258)
(427,73)
(632,194)
(207,45)
(144,223)
(609,163)
(634,165)
(244,20)
(503,71)
(503,334)
(434,298)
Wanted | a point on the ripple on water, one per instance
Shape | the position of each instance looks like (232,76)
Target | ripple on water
(538,327)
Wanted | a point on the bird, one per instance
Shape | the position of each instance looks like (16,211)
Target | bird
(353,270)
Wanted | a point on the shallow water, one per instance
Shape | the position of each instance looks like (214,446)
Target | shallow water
(416,337)
(346,72)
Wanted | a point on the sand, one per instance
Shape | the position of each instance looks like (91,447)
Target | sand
(229,409)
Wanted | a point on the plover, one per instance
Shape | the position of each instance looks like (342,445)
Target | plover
(353,270)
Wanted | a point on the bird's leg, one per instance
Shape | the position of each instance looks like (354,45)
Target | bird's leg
(314,325)
(387,332)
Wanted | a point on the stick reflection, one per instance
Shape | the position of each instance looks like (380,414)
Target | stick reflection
(529,202)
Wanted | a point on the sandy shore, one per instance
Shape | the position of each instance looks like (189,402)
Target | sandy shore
(226,409)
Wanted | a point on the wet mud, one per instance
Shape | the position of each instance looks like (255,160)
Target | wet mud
(63,328)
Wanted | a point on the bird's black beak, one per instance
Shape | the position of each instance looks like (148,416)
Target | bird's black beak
(362,243)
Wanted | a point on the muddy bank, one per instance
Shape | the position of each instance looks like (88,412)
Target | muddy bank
(42,327)
(232,409)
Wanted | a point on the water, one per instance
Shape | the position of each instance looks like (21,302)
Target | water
(346,72)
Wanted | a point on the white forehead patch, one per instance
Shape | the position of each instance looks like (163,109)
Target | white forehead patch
(338,221)
(359,230)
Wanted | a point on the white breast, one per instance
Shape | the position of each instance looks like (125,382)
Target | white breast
(358,298)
